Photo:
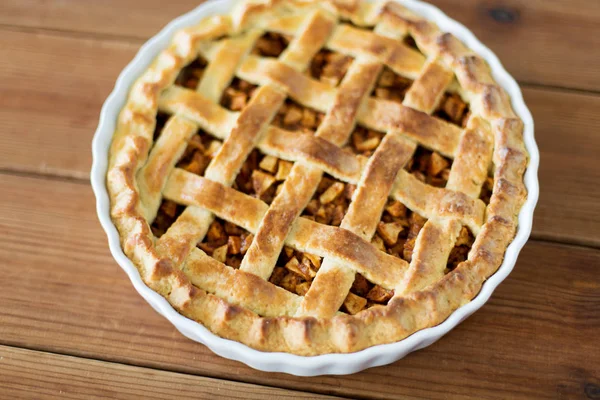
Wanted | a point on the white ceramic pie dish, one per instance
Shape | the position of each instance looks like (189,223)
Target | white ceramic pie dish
(283,362)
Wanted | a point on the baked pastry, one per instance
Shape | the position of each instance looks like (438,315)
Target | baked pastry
(316,176)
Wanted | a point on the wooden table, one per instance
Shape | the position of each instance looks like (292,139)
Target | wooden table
(72,325)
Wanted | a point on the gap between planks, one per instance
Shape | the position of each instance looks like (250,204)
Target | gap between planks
(64,33)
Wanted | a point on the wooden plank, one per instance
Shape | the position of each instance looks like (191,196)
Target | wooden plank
(28,374)
(63,293)
(128,18)
(52,91)
(55,86)
(560,31)
(538,41)
(566,130)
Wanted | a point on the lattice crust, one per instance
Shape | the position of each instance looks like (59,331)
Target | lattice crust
(371,43)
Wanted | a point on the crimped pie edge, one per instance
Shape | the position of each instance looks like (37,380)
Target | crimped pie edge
(486,264)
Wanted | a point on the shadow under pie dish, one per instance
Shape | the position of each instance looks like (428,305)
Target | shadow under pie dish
(318,177)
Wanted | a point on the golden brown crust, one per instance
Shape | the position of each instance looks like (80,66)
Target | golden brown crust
(240,304)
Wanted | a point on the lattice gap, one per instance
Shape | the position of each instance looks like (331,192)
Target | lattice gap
(429,167)
(191,74)
(409,41)
(330,202)
(391,86)
(365,294)
(168,212)
(351,23)
(161,121)
(293,116)
(453,109)
(397,230)
(295,270)
(364,141)
(271,44)
(237,95)
(460,251)
(226,242)
(201,148)
(487,188)
(329,67)
(262,176)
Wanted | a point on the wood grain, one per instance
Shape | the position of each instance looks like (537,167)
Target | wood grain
(27,374)
(55,90)
(523,34)
(566,130)
(52,91)
(63,293)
